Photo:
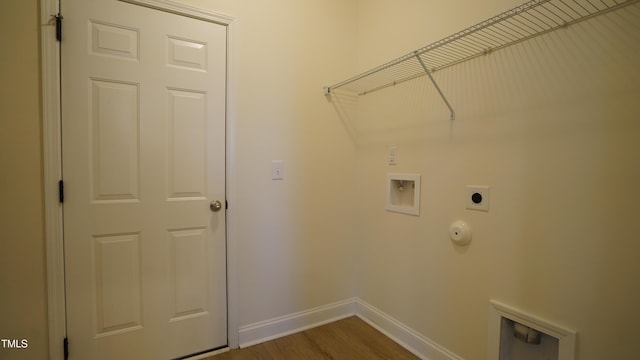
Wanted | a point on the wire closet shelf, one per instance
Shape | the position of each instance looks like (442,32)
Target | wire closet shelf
(521,23)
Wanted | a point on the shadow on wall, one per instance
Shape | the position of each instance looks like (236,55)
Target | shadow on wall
(552,125)
(581,136)
(559,67)
(402,114)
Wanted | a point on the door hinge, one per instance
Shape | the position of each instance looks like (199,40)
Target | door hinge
(61,191)
(58,26)
(65,347)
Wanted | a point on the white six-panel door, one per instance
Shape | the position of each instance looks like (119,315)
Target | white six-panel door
(143,127)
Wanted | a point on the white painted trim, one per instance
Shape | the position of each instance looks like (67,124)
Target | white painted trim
(52,173)
(289,324)
(185,10)
(52,164)
(406,337)
(233,311)
(566,337)
(418,344)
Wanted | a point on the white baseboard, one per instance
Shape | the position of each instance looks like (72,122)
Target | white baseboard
(293,323)
(408,338)
(418,344)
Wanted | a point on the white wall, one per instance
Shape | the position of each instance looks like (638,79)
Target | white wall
(552,126)
(293,236)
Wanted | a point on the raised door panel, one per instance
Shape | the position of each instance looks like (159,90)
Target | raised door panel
(114,40)
(117,283)
(187,54)
(115,121)
(187,147)
(189,257)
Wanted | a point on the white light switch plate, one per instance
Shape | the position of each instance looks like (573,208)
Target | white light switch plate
(393,156)
(277,170)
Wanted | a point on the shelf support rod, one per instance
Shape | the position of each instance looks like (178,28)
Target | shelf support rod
(426,70)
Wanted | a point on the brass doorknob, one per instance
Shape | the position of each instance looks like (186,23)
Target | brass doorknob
(215,206)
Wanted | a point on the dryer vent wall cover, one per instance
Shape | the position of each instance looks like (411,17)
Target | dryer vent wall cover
(514,334)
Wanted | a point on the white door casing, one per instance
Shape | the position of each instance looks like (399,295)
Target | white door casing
(143,128)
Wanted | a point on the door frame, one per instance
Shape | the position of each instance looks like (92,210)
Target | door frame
(52,164)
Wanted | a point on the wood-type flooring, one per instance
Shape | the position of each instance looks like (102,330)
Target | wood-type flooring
(347,339)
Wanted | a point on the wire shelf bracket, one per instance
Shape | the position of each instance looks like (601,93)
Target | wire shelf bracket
(523,22)
(435,84)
